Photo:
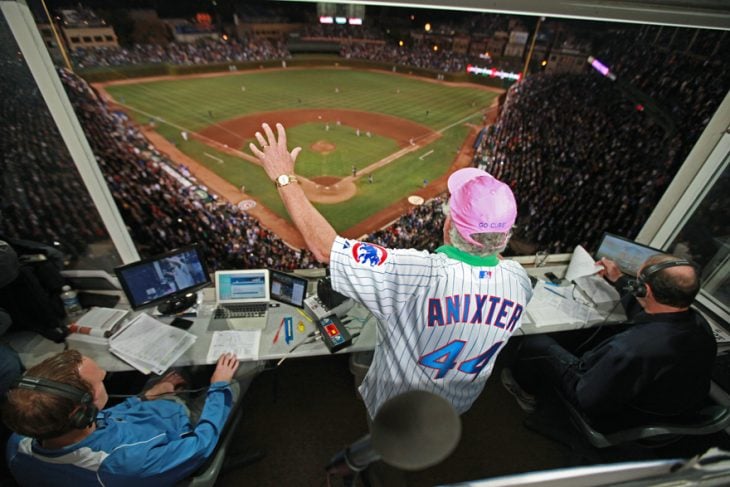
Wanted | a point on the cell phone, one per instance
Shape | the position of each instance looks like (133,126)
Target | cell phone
(553,278)
(181,323)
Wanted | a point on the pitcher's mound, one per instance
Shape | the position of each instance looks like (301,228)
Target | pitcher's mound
(329,189)
(323,147)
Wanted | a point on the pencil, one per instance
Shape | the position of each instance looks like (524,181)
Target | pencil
(305,315)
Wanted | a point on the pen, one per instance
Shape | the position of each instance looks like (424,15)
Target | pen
(276,337)
(305,315)
(554,292)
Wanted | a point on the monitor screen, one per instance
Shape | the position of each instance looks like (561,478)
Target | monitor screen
(162,278)
(627,254)
(288,289)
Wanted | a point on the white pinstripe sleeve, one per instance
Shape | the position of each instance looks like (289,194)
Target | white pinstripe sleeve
(378,278)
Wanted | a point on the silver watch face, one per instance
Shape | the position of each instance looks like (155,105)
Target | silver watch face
(283,180)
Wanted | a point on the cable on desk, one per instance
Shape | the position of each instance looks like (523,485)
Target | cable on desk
(593,335)
(310,338)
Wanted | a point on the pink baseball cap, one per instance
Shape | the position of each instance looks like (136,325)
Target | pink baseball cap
(480,203)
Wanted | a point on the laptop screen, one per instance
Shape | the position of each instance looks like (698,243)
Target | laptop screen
(288,289)
(249,286)
(627,254)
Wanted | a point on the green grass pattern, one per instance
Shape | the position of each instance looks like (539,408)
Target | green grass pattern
(188,104)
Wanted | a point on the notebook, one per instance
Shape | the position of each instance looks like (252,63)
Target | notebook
(242,299)
(627,254)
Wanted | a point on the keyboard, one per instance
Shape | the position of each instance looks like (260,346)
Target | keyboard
(721,371)
(241,311)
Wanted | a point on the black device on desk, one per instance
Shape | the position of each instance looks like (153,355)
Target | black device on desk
(288,289)
(334,333)
(169,280)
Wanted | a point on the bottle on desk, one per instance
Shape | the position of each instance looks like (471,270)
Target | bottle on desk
(70,300)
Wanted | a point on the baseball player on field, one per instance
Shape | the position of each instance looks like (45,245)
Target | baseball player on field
(442,317)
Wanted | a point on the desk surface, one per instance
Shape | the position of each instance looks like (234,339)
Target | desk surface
(33,348)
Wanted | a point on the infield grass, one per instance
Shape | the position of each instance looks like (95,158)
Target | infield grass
(195,103)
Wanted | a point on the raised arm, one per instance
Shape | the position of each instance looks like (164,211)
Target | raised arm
(277,161)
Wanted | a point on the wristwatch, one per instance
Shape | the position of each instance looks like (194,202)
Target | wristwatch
(284,180)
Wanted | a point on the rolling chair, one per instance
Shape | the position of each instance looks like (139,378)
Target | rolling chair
(646,430)
(653,431)
(219,462)
(208,473)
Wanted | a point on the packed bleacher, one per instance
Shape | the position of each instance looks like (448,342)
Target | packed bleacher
(162,207)
(43,197)
(420,228)
(201,52)
(420,56)
(582,158)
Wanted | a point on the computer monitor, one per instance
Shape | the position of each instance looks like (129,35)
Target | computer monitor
(627,254)
(288,289)
(169,280)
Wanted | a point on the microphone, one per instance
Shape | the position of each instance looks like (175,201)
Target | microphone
(411,431)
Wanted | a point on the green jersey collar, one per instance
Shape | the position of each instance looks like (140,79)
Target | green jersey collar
(473,260)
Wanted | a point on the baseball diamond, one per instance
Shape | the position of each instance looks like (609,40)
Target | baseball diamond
(363,143)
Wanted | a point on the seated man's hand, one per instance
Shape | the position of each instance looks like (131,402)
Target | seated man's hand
(610,270)
(225,368)
(166,385)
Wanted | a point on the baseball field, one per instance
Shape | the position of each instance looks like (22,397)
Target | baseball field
(370,138)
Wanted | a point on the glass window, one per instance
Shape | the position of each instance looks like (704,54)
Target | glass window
(44,199)
(87,38)
(705,240)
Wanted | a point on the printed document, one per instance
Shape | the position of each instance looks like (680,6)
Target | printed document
(244,344)
(581,264)
(150,345)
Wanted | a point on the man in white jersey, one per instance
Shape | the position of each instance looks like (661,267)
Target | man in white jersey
(442,317)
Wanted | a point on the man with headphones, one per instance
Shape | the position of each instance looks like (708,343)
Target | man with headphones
(659,363)
(63,436)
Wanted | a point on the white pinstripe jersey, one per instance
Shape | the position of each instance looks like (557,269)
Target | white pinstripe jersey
(442,320)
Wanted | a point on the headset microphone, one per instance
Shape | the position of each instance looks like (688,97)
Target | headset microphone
(85,412)
(637,286)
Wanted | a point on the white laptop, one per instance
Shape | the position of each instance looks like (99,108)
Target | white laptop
(242,299)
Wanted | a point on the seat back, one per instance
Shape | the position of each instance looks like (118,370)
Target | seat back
(708,420)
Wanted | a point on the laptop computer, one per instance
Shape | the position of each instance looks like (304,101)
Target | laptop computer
(242,299)
(627,254)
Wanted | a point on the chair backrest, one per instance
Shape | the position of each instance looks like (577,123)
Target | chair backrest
(708,420)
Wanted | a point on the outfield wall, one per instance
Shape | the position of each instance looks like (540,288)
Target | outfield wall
(96,75)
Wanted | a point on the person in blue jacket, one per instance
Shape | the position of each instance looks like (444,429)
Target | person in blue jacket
(67,438)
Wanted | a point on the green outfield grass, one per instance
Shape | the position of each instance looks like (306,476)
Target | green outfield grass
(350,150)
(188,103)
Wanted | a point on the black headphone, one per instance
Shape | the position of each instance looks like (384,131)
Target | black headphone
(637,287)
(84,414)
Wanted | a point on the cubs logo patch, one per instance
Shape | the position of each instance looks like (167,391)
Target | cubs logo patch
(367,253)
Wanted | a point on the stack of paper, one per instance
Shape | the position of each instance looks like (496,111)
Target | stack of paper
(149,345)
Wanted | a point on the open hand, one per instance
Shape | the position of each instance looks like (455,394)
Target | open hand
(274,155)
(225,368)
(610,270)
(166,385)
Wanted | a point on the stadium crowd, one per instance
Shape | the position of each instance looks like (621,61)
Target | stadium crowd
(420,56)
(201,52)
(43,198)
(420,228)
(593,161)
(162,207)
